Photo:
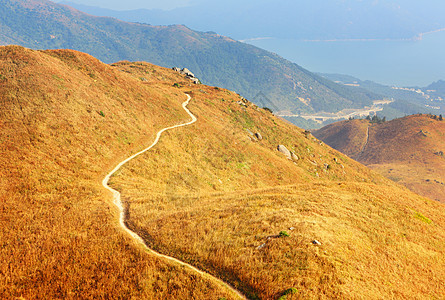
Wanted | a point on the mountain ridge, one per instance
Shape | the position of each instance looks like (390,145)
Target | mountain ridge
(294,19)
(215,59)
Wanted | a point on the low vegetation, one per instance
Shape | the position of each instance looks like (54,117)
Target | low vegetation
(407,150)
(210,194)
(60,235)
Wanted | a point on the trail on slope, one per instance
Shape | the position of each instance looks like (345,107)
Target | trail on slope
(366,143)
(118,202)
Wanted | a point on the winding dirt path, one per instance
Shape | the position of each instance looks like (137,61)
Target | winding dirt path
(118,202)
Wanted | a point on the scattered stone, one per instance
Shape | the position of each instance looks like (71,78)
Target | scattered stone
(241,103)
(189,75)
(187,72)
(258,136)
(313,162)
(261,246)
(291,228)
(285,151)
(194,80)
(315,242)
(294,156)
(252,136)
(335,159)
(253,139)
(249,132)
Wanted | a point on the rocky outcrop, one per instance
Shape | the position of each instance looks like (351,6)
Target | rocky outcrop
(189,75)
(285,151)
(289,154)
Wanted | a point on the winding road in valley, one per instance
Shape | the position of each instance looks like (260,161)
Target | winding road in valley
(118,202)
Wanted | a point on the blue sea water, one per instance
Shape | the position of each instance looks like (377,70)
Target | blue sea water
(391,62)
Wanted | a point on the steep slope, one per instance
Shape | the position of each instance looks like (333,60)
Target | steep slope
(257,74)
(65,118)
(408,150)
(212,194)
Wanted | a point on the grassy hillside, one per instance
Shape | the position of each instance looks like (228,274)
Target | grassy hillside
(210,194)
(215,59)
(407,150)
(65,119)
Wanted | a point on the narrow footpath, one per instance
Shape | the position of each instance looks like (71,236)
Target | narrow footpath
(366,143)
(118,202)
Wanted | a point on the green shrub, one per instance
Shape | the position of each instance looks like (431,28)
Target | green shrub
(284,234)
(268,109)
(288,292)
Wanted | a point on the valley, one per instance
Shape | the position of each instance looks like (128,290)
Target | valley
(321,117)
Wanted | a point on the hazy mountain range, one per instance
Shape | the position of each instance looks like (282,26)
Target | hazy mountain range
(296,19)
(259,75)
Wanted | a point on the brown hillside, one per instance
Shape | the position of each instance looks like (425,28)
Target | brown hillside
(209,194)
(60,237)
(408,150)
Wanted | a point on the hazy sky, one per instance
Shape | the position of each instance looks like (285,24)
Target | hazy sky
(170,4)
(134,4)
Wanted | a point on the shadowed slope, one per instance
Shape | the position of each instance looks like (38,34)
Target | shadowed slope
(408,150)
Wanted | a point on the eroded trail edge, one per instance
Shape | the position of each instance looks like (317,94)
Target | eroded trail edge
(118,202)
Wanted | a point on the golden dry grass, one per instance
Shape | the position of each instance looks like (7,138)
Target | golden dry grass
(60,236)
(211,196)
(407,150)
(207,194)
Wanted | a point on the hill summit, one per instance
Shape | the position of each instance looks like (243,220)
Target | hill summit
(408,150)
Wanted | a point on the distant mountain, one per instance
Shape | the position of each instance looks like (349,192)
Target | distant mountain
(408,150)
(261,76)
(437,89)
(296,19)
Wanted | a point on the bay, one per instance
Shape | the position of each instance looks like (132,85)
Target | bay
(412,62)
